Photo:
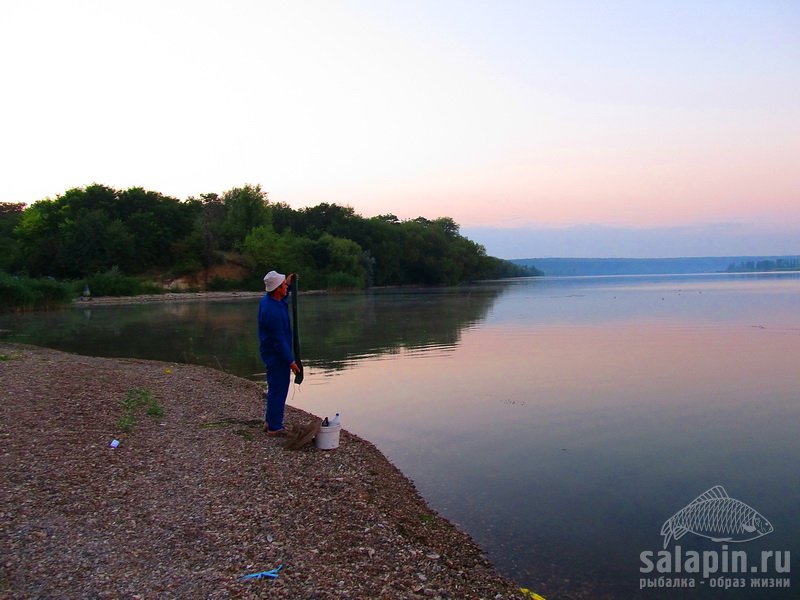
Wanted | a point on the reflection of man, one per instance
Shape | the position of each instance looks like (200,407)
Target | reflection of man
(275,346)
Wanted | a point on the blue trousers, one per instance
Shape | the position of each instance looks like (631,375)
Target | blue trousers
(278,375)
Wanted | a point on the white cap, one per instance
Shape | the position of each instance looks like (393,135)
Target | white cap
(273,279)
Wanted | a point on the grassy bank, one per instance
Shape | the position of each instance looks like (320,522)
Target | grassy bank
(18,292)
(25,293)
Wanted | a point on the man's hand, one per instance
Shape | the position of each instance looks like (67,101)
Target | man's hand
(295,369)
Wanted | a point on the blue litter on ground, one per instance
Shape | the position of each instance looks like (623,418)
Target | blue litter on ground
(272,574)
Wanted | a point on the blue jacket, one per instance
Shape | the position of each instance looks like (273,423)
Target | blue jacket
(274,331)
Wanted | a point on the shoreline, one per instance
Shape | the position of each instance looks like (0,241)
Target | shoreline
(233,295)
(200,496)
(168,297)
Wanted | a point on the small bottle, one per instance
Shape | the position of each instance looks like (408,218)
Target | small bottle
(335,421)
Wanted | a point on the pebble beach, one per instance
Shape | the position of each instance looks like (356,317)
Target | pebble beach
(196,496)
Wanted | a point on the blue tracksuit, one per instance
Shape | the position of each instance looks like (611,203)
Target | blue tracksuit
(275,346)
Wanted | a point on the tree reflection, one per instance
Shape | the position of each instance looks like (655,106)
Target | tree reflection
(335,330)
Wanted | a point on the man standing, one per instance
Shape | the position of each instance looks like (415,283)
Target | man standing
(275,346)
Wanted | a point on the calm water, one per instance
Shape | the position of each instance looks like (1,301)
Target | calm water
(560,422)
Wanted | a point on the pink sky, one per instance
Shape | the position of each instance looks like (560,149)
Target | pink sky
(515,114)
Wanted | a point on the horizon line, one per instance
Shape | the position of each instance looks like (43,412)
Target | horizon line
(657,257)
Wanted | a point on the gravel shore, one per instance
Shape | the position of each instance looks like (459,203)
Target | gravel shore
(195,498)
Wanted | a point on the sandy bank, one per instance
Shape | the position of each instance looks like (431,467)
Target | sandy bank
(196,498)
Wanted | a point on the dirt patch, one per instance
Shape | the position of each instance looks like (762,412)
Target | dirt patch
(233,268)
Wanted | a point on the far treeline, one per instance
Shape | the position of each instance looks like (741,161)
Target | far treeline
(101,235)
(762,265)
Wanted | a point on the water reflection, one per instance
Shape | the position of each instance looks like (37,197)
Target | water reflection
(576,452)
(337,330)
(561,433)
(559,421)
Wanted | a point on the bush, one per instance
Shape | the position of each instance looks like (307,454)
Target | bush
(114,283)
(253,283)
(27,293)
(187,266)
(339,280)
(50,292)
(222,284)
(14,293)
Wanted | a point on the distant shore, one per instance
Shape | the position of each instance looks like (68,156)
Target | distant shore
(226,296)
(166,297)
(198,496)
(177,297)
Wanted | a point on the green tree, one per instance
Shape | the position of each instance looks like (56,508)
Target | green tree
(10,216)
(95,229)
(156,223)
(325,218)
(38,237)
(344,261)
(245,209)
(386,249)
(92,229)
(201,248)
(263,248)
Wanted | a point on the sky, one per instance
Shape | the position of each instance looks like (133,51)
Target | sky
(569,128)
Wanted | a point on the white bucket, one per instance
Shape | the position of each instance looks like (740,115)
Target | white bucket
(328,437)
